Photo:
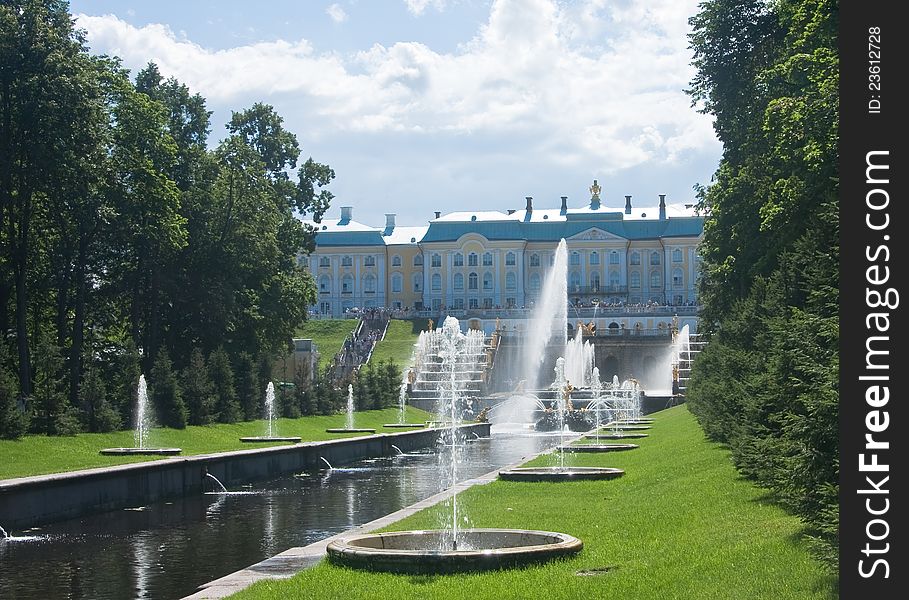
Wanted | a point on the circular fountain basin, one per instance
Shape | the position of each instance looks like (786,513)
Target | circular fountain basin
(560,473)
(345,430)
(267,438)
(418,552)
(624,427)
(614,436)
(596,448)
(141,451)
(404,425)
(636,422)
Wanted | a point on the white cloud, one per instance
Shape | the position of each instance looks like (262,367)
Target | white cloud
(591,85)
(336,13)
(416,7)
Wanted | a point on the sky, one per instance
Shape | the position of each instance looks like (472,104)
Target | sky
(443,105)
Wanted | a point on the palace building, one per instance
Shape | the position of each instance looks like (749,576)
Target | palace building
(480,263)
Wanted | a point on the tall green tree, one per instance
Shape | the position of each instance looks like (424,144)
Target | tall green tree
(166,394)
(198,390)
(766,384)
(227,409)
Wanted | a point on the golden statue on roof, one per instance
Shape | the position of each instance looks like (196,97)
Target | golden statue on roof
(595,190)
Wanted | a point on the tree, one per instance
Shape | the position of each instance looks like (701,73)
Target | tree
(766,384)
(198,390)
(51,409)
(97,413)
(249,394)
(166,395)
(227,409)
(13,418)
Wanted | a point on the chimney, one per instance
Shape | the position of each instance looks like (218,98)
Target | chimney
(627,205)
(438,214)
(564,208)
(529,203)
(511,211)
(389,223)
(662,207)
(346,213)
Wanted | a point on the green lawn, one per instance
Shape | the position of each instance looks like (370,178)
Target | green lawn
(328,335)
(681,524)
(399,340)
(37,454)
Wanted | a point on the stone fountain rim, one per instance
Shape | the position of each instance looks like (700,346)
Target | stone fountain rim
(596,447)
(353,430)
(540,474)
(140,451)
(344,552)
(270,438)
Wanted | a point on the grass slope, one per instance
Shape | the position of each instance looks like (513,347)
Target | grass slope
(328,335)
(681,524)
(399,340)
(37,454)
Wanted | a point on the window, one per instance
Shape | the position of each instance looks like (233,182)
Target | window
(510,259)
(436,282)
(676,255)
(487,303)
(635,258)
(472,281)
(534,260)
(369,284)
(594,258)
(551,259)
(511,302)
(511,282)
(396,261)
(325,307)
(437,304)
(324,261)
(613,258)
(677,278)
(459,303)
(458,259)
(370,261)
(535,282)
(397,283)
(654,258)
(436,260)
(346,261)
(474,303)
(418,260)
(487,259)
(656,280)
(472,259)
(417,282)
(397,304)
(575,259)
(595,281)
(324,284)
(614,279)
(347,284)
(635,279)
(458,282)
(487,281)
(574,281)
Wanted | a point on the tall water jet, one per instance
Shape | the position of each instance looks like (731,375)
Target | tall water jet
(270,408)
(143,420)
(270,416)
(579,360)
(349,420)
(350,406)
(143,425)
(452,351)
(549,319)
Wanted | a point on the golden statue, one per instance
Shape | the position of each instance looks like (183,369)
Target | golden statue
(429,325)
(498,324)
(595,190)
(566,395)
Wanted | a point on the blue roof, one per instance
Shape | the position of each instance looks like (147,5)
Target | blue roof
(349,238)
(554,231)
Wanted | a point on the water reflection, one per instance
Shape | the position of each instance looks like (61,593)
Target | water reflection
(167,549)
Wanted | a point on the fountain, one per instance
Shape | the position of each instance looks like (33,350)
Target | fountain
(451,549)
(561,413)
(143,425)
(270,435)
(349,424)
(402,403)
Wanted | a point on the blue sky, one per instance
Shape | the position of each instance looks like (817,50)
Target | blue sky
(425,105)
